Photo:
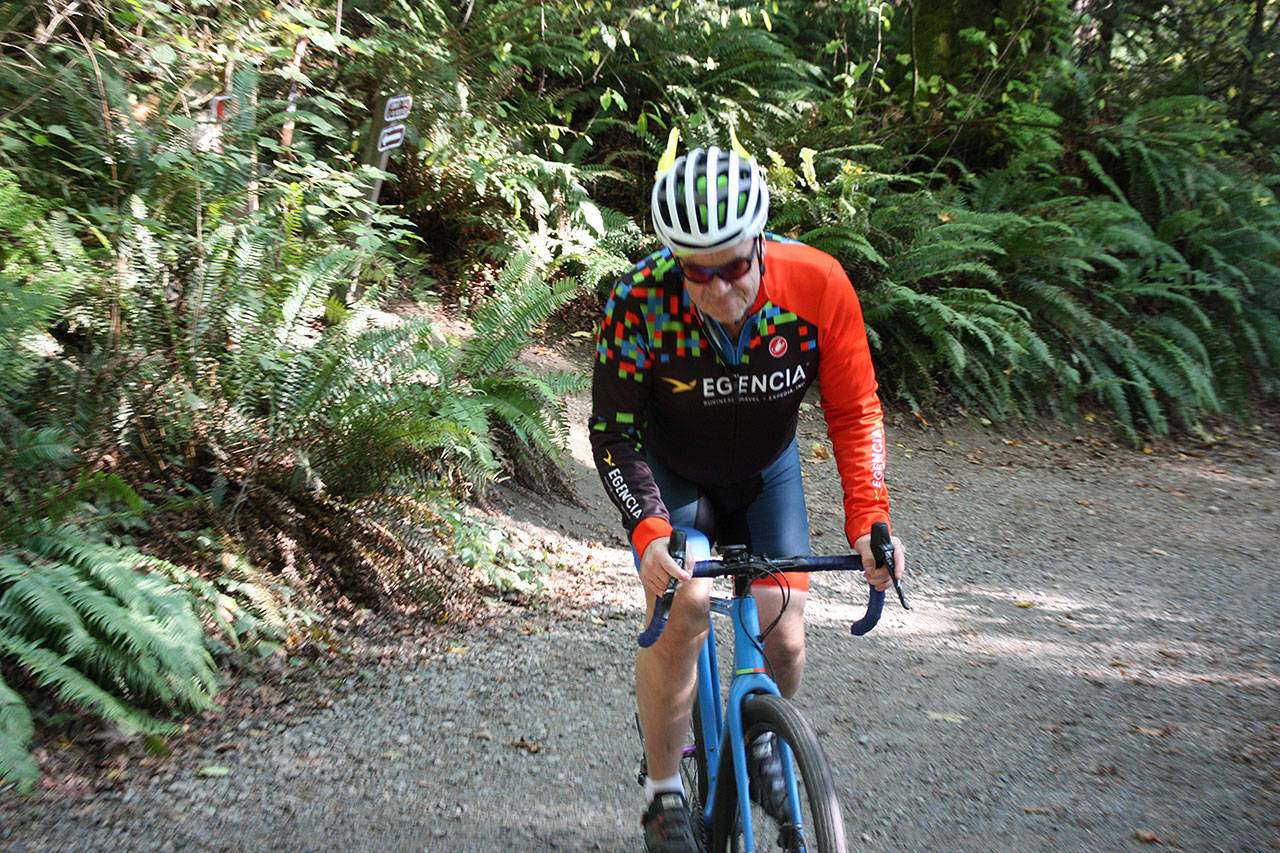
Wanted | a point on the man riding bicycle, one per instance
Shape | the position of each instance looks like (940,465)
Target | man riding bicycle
(705,352)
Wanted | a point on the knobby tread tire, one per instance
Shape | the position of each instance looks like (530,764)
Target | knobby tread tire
(767,713)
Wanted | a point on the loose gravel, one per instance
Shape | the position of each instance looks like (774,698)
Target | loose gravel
(1090,664)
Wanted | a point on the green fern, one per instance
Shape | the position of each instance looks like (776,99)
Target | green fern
(42,268)
(92,624)
(16,731)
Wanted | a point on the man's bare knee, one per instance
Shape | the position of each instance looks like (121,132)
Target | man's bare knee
(786,641)
(687,623)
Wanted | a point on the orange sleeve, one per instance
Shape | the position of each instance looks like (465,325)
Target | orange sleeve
(855,421)
(646,531)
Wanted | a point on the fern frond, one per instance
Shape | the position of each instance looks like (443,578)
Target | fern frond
(503,324)
(844,243)
(50,670)
(16,731)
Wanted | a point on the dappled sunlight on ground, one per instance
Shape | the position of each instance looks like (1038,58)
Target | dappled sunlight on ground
(1054,633)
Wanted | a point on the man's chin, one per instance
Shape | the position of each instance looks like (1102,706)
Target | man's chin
(727,318)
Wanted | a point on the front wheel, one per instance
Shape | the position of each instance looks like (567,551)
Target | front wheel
(693,772)
(820,828)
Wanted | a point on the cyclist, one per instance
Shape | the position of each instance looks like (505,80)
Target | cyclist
(704,354)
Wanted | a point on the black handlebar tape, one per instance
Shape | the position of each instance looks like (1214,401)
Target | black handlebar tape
(875,604)
(663,607)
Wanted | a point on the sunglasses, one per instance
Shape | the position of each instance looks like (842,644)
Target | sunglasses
(732,271)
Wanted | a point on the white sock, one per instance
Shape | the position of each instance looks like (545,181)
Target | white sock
(654,787)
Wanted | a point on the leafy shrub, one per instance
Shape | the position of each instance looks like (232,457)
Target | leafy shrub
(1016,291)
(210,340)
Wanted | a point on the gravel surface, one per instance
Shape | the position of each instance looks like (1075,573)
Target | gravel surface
(1090,664)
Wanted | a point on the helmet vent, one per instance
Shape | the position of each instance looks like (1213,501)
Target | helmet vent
(708,200)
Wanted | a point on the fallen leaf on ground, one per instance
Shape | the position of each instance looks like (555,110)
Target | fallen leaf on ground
(1036,810)
(527,746)
(820,451)
(213,771)
(946,717)
(1146,837)
(1024,604)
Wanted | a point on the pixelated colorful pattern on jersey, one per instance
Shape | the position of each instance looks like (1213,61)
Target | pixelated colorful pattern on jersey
(665,320)
(773,319)
(663,388)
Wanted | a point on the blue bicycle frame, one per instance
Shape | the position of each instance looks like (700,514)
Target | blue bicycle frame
(723,729)
(749,678)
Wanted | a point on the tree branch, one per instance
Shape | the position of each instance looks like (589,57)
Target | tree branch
(56,21)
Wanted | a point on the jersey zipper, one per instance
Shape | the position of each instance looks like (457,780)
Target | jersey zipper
(732,369)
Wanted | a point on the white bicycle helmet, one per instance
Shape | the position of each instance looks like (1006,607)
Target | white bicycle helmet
(708,199)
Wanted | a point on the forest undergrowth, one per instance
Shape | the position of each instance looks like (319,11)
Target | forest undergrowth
(215,442)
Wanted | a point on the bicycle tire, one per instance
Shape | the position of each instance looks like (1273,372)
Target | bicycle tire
(693,772)
(823,824)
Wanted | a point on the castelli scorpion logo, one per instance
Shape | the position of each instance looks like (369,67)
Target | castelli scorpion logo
(778,347)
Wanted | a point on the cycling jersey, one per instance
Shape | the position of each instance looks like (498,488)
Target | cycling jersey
(766,515)
(717,412)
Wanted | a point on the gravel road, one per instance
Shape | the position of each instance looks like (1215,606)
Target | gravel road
(1091,664)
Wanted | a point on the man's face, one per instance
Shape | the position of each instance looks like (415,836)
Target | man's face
(725,300)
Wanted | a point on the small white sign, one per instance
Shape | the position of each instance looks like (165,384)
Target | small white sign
(397,108)
(391,137)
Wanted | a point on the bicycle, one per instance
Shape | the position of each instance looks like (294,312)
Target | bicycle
(715,765)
